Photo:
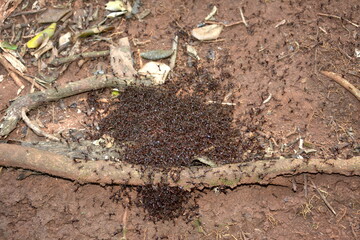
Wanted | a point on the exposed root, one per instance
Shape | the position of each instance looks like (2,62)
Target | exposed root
(231,175)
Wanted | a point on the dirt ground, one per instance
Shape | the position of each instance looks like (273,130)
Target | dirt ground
(280,54)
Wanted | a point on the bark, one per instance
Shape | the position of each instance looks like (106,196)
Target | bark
(231,175)
(33,100)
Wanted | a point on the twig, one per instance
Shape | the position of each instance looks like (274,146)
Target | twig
(280,23)
(10,25)
(215,40)
(16,79)
(242,17)
(124,224)
(323,198)
(58,61)
(27,12)
(140,58)
(223,24)
(353,231)
(293,182)
(341,216)
(343,82)
(305,185)
(267,99)
(9,67)
(338,17)
(35,128)
(7,8)
(174,48)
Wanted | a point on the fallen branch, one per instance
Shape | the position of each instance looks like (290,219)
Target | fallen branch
(59,61)
(33,100)
(343,82)
(106,172)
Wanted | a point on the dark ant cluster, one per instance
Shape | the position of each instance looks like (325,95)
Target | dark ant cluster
(164,203)
(166,131)
(161,202)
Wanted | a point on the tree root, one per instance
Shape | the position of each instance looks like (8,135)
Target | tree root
(106,172)
(33,100)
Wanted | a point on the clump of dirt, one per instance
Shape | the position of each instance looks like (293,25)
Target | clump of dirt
(163,130)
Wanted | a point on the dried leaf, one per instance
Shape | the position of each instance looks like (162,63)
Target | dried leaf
(209,32)
(115,14)
(143,14)
(205,161)
(156,71)
(52,15)
(40,37)
(191,51)
(7,7)
(211,14)
(121,59)
(156,54)
(65,39)
(14,62)
(115,6)
(45,46)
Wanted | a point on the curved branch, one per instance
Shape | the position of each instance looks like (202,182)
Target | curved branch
(105,172)
(33,100)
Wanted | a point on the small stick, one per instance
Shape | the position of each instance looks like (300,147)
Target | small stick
(343,82)
(242,17)
(214,41)
(6,13)
(124,223)
(338,17)
(294,186)
(174,48)
(140,58)
(223,24)
(16,79)
(35,128)
(9,67)
(305,185)
(58,61)
(27,12)
(323,198)
(353,231)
